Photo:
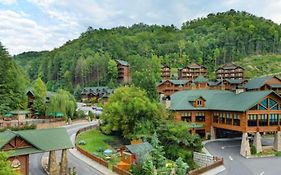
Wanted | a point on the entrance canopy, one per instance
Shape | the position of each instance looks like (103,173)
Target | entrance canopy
(34,141)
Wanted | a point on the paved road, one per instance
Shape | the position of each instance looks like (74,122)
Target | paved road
(81,167)
(235,164)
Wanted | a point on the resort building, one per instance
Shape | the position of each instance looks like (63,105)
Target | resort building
(95,93)
(192,71)
(165,72)
(20,144)
(230,71)
(264,83)
(124,75)
(210,113)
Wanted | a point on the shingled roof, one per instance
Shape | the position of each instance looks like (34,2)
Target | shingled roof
(122,62)
(42,140)
(218,100)
(256,83)
(140,150)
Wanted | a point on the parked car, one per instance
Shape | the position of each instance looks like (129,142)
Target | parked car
(97,110)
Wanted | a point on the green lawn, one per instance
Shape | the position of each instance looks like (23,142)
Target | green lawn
(96,143)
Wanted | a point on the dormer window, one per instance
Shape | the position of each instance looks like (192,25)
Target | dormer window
(197,101)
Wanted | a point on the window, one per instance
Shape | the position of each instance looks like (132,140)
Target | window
(221,118)
(200,117)
(186,117)
(263,121)
(252,120)
(273,120)
(229,118)
(236,119)
(216,117)
(268,104)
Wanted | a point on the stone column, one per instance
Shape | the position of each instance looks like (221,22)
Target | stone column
(64,163)
(213,133)
(277,141)
(257,142)
(52,164)
(245,146)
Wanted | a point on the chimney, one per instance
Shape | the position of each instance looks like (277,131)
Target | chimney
(168,102)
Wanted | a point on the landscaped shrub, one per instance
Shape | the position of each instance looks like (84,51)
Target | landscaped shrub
(253,150)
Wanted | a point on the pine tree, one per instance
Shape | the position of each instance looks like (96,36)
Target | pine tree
(181,167)
(157,153)
(148,167)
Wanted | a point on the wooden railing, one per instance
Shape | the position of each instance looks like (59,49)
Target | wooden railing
(120,171)
(218,162)
(86,153)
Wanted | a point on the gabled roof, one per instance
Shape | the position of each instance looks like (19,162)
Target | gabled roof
(122,62)
(195,65)
(193,98)
(42,139)
(175,82)
(200,79)
(97,90)
(215,83)
(162,66)
(229,66)
(218,100)
(235,81)
(256,83)
(140,150)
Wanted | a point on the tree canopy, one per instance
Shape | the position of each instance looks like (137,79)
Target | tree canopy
(127,108)
(5,167)
(13,84)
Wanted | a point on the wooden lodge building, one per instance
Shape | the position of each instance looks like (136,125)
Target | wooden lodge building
(208,112)
(97,93)
(168,87)
(192,71)
(165,72)
(264,83)
(124,75)
(230,71)
(20,144)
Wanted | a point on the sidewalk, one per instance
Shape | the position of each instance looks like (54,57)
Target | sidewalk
(89,161)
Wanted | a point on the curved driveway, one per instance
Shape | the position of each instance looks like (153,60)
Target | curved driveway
(81,167)
(235,164)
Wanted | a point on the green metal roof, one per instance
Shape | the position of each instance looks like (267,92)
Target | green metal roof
(140,150)
(122,62)
(275,85)
(24,151)
(42,140)
(175,82)
(235,81)
(257,82)
(8,115)
(200,79)
(218,100)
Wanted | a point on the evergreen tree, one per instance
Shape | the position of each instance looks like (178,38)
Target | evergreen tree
(40,91)
(181,167)
(13,84)
(157,152)
(148,167)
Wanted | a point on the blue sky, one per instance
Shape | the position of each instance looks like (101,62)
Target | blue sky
(27,25)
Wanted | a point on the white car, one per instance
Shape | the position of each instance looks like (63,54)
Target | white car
(97,110)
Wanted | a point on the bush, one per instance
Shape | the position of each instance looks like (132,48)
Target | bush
(25,127)
(253,150)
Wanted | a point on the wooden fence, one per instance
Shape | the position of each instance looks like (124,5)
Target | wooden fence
(86,153)
(218,162)
(120,171)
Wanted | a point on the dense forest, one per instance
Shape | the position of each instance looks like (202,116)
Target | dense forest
(211,41)
(13,83)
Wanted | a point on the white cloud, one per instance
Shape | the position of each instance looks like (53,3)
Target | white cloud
(8,2)
(66,19)
(19,33)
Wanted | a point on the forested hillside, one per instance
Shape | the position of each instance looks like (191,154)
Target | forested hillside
(211,41)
